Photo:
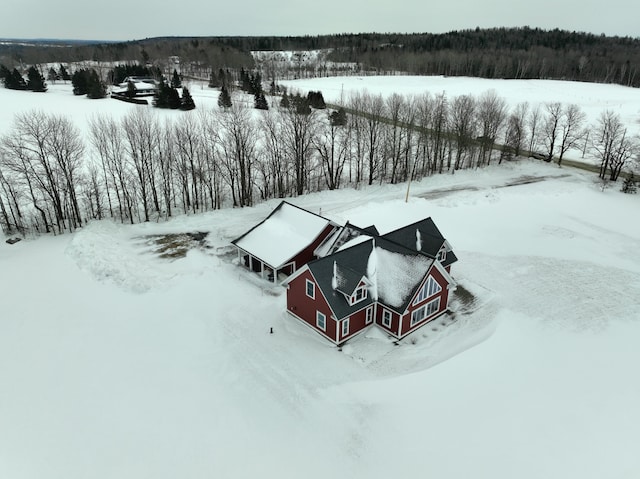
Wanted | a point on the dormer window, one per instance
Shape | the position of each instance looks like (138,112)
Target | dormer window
(358,295)
(442,254)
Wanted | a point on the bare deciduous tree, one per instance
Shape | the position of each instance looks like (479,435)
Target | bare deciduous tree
(612,144)
(551,127)
(571,130)
(491,113)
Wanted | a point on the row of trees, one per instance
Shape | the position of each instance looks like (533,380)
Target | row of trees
(15,81)
(167,96)
(140,168)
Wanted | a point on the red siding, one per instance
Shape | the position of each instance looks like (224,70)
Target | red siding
(299,304)
(443,295)
(357,322)
(394,320)
(306,254)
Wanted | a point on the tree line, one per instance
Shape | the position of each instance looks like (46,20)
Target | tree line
(141,168)
(488,53)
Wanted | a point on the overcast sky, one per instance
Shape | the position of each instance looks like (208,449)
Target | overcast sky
(122,20)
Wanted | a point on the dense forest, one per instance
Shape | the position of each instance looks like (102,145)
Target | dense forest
(488,53)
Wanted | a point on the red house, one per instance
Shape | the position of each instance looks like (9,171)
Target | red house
(399,281)
(283,242)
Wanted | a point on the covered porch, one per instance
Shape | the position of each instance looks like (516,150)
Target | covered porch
(268,272)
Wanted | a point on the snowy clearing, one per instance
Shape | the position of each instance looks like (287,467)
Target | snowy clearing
(115,362)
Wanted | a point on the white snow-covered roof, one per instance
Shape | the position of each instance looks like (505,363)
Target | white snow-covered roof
(355,241)
(397,275)
(286,232)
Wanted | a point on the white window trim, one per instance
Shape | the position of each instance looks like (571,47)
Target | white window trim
(345,325)
(423,294)
(369,315)
(386,313)
(442,254)
(313,289)
(324,321)
(425,310)
(353,300)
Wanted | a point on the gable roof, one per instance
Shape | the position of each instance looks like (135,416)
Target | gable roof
(283,234)
(394,265)
(352,260)
(430,240)
(393,272)
(346,279)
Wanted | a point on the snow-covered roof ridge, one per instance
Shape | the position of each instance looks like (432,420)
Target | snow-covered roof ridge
(282,234)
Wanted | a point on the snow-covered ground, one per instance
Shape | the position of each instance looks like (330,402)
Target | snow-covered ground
(592,98)
(115,362)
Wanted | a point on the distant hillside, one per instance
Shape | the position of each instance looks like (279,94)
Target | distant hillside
(489,53)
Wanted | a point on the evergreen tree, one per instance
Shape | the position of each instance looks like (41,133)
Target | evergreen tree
(121,72)
(96,89)
(186,103)
(301,104)
(64,74)
(338,118)
(79,80)
(284,101)
(4,72)
(173,98)
(176,81)
(316,100)
(260,102)
(629,185)
(161,98)
(224,100)
(35,81)
(14,81)
(52,76)
(131,89)
(256,84)
(166,97)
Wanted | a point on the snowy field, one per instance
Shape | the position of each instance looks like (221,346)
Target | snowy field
(118,363)
(593,98)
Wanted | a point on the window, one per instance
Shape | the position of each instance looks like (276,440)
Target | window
(442,255)
(425,311)
(311,289)
(386,318)
(345,327)
(358,295)
(369,318)
(321,320)
(430,288)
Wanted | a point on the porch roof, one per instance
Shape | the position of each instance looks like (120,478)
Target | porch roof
(287,231)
